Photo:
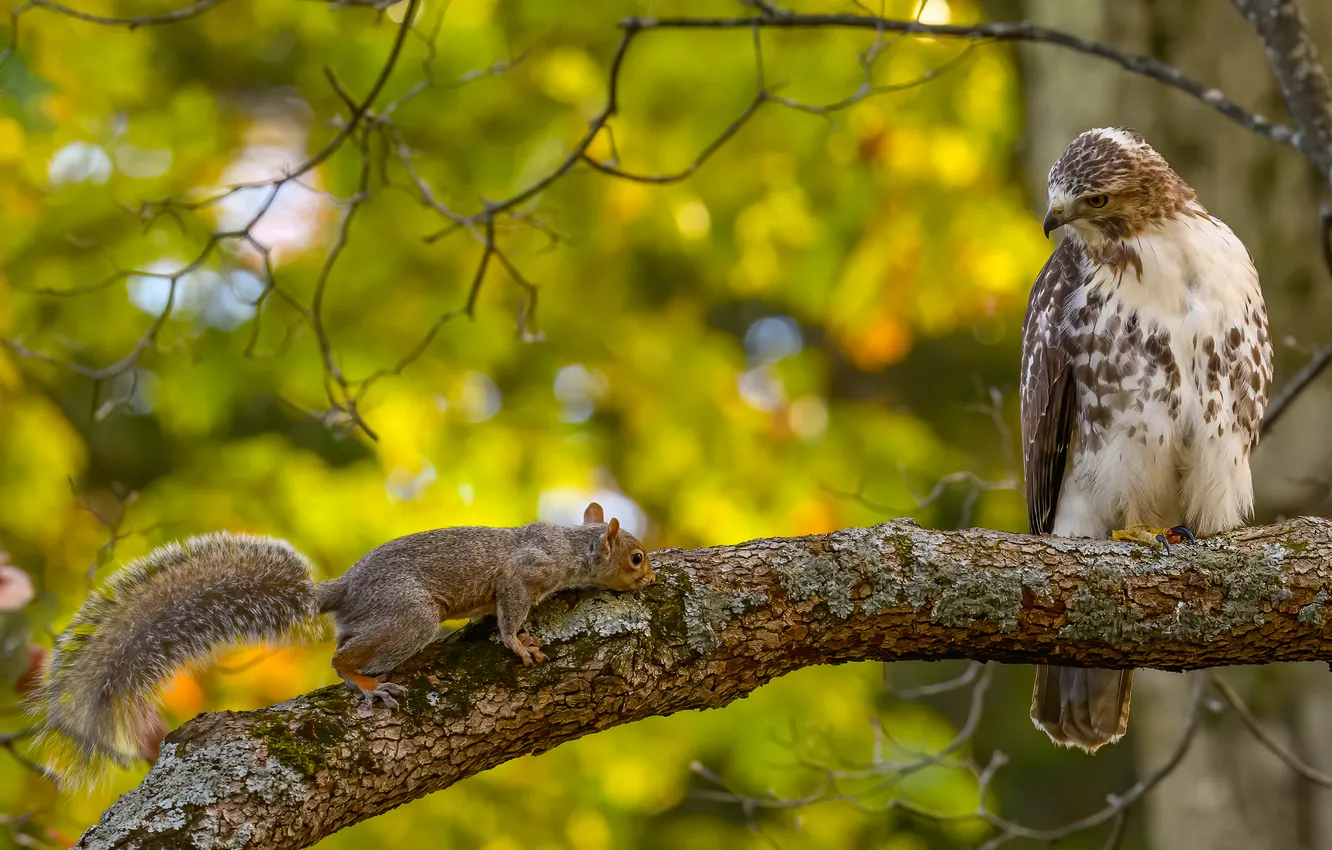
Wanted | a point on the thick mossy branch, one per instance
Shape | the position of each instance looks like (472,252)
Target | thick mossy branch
(719,623)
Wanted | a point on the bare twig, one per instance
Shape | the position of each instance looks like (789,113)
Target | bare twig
(9,741)
(1296,385)
(945,484)
(827,789)
(1321,357)
(1000,31)
(1118,805)
(134,21)
(966,678)
(1266,738)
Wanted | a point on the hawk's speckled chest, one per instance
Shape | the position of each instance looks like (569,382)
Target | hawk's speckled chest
(1172,362)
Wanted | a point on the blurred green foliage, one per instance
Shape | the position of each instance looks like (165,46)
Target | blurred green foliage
(817,313)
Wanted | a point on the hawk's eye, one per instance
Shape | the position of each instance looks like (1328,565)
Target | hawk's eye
(1097,201)
(637,558)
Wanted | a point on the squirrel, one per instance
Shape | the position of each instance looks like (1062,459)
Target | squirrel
(175,606)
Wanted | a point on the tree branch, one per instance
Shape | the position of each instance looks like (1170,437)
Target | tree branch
(719,623)
(996,31)
(1303,79)
(174,16)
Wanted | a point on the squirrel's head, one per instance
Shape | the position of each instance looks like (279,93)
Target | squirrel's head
(621,562)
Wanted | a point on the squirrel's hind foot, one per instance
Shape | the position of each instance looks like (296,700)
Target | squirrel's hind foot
(385,692)
(527,648)
(369,686)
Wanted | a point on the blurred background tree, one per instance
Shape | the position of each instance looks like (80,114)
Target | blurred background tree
(815,327)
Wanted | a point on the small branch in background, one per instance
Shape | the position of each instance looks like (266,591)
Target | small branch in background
(1023,31)
(1115,812)
(106,553)
(1266,738)
(890,773)
(9,742)
(943,485)
(19,830)
(973,670)
(1321,357)
(977,485)
(132,23)
(1296,385)
(340,400)
(241,666)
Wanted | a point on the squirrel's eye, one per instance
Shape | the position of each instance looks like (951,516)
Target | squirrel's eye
(1097,201)
(637,558)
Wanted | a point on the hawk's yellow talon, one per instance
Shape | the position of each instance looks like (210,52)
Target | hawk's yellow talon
(1162,537)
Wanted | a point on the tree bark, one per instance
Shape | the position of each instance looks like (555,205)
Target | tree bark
(719,623)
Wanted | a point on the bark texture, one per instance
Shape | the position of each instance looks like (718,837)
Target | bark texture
(719,623)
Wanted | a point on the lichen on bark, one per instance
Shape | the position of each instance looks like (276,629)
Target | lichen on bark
(719,623)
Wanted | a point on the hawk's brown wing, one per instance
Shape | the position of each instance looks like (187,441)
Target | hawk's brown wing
(1048,389)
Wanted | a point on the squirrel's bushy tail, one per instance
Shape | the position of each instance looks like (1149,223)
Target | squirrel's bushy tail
(170,609)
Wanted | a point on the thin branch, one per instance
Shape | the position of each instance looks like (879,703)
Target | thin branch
(1022,31)
(341,399)
(1118,805)
(973,670)
(577,154)
(1322,356)
(977,486)
(359,112)
(827,790)
(1266,738)
(133,22)
(9,741)
(1296,385)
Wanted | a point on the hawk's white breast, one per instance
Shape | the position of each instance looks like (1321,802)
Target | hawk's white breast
(1172,367)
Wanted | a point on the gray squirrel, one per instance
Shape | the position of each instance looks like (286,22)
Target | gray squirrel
(177,605)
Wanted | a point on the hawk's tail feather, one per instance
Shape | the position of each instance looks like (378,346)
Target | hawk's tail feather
(1081,707)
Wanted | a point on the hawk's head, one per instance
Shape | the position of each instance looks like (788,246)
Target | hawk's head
(1109,184)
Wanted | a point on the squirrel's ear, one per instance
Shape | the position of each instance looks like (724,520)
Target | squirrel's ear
(612,531)
(593,514)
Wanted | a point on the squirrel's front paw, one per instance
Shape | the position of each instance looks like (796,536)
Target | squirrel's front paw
(527,648)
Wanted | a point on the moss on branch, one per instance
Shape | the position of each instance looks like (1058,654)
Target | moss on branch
(718,624)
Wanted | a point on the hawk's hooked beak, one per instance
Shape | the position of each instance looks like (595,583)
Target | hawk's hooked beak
(1054,218)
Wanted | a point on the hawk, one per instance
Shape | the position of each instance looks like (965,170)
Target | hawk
(1145,370)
